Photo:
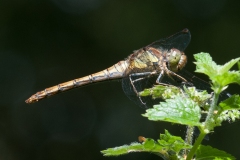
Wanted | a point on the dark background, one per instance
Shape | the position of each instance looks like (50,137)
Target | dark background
(43,43)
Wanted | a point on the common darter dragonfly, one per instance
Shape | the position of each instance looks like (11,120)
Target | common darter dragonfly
(157,63)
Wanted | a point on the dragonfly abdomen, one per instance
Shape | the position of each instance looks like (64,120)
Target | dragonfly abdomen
(114,72)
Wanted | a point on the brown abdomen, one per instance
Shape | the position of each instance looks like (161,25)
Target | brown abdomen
(114,72)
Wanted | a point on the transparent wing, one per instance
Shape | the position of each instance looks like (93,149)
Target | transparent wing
(179,41)
(140,86)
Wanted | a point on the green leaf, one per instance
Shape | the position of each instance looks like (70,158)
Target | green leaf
(227,66)
(173,143)
(238,65)
(170,92)
(148,146)
(167,146)
(134,147)
(178,110)
(227,78)
(229,109)
(218,74)
(161,91)
(231,103)
(199,97)
(209,153)
(205,64)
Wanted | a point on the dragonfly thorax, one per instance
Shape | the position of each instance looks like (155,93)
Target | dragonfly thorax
(176,60)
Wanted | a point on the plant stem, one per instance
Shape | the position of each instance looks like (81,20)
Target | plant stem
(196,145)
(209,120)
(209,124)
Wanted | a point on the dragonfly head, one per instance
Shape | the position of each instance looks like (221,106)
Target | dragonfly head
(176,60)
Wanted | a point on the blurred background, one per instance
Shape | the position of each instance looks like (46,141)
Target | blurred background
(44,43)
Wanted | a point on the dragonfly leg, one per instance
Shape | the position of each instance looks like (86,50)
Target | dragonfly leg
(176,75)
(158,81)
(169,73)
(135,90)
(160,76)
(146,74)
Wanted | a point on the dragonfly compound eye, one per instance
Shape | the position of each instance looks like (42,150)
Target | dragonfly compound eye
(176,60)
(182,62)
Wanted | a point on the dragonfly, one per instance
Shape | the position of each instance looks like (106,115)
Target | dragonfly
(160,62)
(163,57)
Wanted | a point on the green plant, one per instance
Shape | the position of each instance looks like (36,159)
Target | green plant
(185,105)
